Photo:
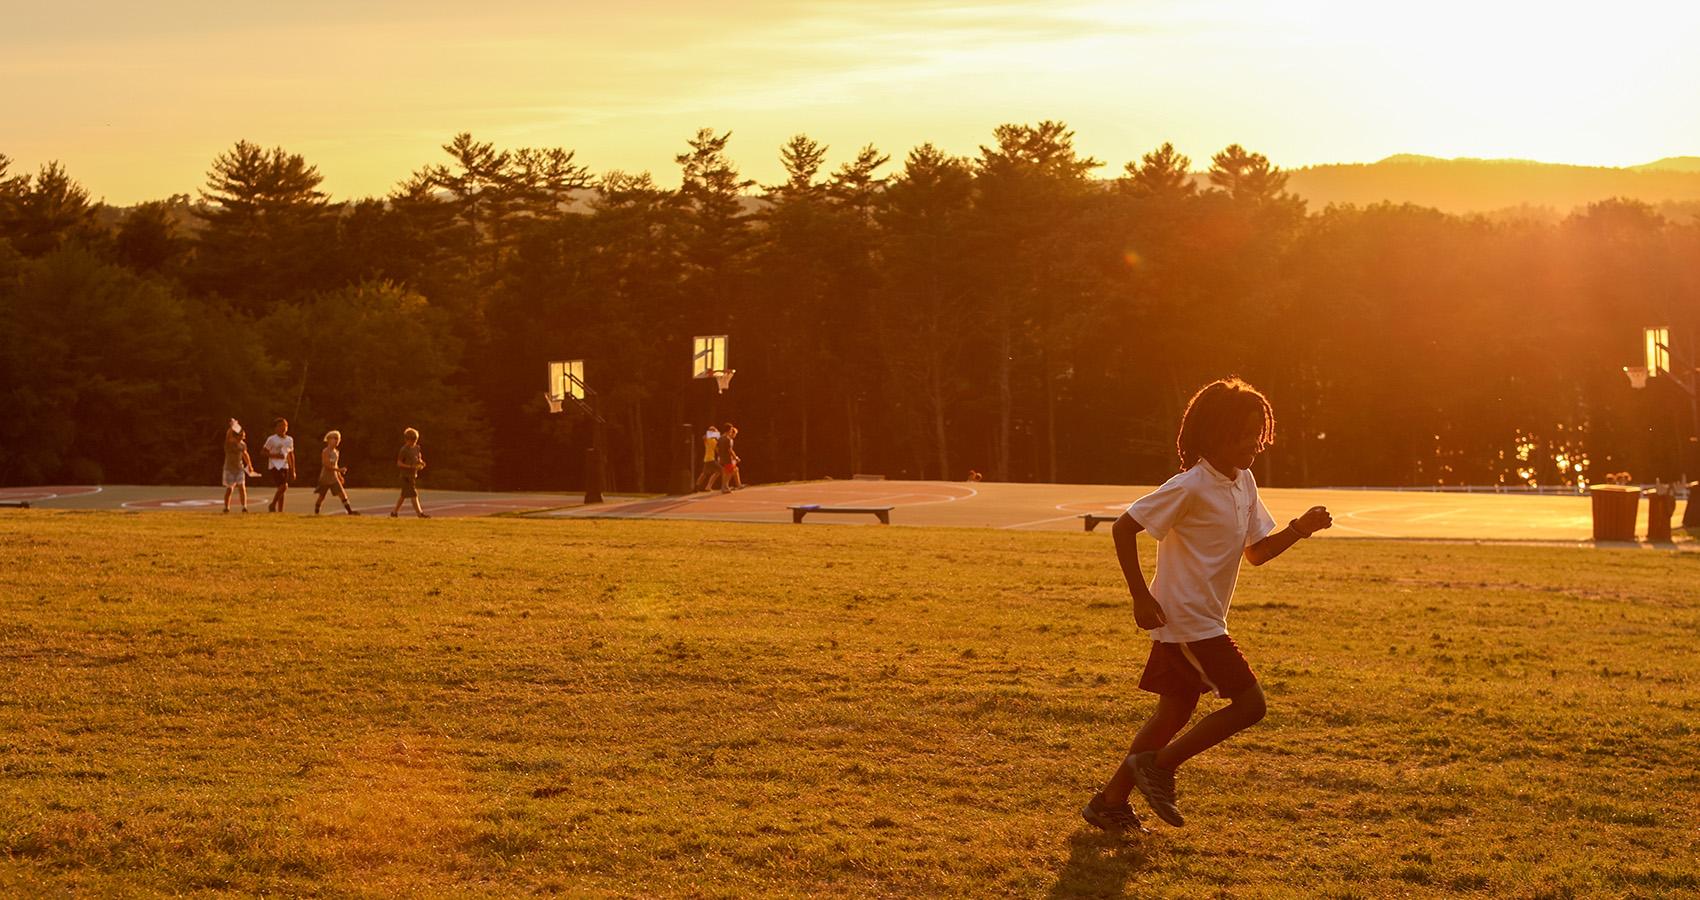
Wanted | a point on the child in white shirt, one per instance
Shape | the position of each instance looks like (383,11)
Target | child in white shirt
(1205,519)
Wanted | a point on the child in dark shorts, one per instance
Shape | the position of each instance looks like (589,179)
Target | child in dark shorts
(1205,519)
(331,474)
(410,459)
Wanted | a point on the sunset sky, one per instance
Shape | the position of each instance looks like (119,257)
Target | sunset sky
(136,99)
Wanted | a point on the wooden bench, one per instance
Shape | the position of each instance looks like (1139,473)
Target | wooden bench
(882,512)
(15,504)
(1093,520)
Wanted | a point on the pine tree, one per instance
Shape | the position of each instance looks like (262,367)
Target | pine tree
(269,232)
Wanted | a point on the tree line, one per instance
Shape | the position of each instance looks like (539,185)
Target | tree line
(1020,312)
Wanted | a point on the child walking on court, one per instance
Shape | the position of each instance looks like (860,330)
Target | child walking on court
(727,453)
(1205,519)
(410,460)
(280,461)
(710,460)
(330,474)
(238,465)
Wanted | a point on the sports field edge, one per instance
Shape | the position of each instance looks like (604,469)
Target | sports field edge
(478,707)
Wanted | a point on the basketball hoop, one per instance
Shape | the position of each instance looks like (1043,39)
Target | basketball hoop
(1637,376)
(723,378)
(553,401)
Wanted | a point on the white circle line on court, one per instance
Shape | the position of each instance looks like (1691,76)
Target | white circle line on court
(82,491)
(1072,515)
(762,490)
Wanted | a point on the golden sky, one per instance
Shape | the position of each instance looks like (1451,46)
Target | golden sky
(137,98)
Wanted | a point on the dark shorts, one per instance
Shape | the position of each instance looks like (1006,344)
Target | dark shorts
(1214,665)
(278,477)
(408,488)
(330,487)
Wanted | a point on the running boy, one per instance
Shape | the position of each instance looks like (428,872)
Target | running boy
(1204,519)
(330,474)
(410,460)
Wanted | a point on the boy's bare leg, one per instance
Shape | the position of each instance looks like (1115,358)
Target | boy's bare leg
(1173,712)
(242,494)
(277,498)
(227,497)
(1243,711)
(417,509)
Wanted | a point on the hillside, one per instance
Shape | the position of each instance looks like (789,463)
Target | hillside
(1484,185)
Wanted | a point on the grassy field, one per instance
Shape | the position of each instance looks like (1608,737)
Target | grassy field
(498,706)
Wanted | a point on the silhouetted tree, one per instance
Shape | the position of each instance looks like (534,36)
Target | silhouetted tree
(268,233)
(46,213)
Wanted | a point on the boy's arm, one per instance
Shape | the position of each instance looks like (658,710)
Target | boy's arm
(1315,519)
(1147,613)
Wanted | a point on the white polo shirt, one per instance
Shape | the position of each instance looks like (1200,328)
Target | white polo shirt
(278,448)
(1203,521)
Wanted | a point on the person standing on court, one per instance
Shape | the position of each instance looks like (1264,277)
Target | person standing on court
(1205,519)
(727,454)
(237,465)
(710,460)
(280,461)
(410,460)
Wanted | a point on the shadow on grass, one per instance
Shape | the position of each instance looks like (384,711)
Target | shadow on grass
(1099,864)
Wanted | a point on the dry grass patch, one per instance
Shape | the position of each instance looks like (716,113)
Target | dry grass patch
(498,707)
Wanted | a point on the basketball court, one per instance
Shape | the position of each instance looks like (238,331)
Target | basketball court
(1405,515)
(1059,507)
(367,501)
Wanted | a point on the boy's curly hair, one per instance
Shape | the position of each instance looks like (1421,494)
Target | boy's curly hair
(1216,413)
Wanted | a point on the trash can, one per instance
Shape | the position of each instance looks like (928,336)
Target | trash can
(1615,506)
(1661,505)
(1691,513)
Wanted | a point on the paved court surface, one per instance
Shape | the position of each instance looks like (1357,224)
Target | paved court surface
(1058,507)
(1028,507)
(367,501)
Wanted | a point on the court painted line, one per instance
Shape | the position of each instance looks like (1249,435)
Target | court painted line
(1358,512)
(1062,518)
(1437,515)
(1367,531)
(765,501)
(38,495)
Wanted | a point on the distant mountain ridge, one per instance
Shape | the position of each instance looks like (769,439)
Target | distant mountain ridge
(1671,164)
(1466,185)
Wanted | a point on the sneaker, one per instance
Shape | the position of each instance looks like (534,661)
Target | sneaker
(395,515)
(1114,819)
(1157,786)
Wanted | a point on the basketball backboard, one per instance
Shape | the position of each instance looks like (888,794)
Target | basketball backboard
(566,379)
(1658,349)
(708,355)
